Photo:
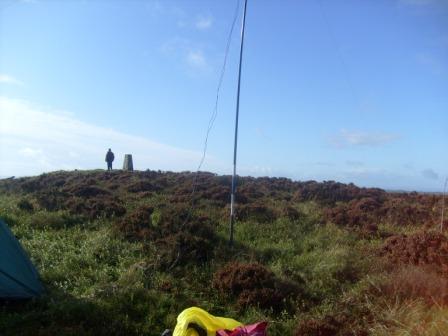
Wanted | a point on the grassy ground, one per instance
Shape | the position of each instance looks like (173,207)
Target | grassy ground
(100,280)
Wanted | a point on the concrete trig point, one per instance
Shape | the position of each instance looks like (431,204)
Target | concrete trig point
(127,164)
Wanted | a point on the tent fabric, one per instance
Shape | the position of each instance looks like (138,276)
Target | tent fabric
(18,276)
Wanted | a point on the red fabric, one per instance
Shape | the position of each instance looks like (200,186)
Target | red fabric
(257,329)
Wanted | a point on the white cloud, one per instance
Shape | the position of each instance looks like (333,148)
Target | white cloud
(34,140)
(6,79)
(204,22)
(31,152)
(347,138)
(197,60)
(188,53)
(37,156)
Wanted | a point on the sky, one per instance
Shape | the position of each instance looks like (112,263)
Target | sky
(344,90)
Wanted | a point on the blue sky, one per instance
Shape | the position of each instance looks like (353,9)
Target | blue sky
(353,91)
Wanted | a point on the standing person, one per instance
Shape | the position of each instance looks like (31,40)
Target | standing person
(109,159)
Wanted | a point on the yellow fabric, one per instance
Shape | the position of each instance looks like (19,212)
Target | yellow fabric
(204,320)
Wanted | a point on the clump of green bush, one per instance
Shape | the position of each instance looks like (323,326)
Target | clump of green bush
(25,205)
(53,220)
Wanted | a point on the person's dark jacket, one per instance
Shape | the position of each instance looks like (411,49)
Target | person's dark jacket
(110,157)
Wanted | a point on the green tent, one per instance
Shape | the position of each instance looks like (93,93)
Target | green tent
(18,276)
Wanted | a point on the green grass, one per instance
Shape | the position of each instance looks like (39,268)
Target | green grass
(98,283)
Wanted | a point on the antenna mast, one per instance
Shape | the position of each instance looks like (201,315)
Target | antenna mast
(232,197)
(443,204)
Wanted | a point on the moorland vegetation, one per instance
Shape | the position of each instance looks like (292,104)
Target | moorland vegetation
(123,253)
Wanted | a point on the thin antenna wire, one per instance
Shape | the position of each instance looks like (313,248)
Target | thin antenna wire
(218,89)
(215,110)
(210,126)
(443,204)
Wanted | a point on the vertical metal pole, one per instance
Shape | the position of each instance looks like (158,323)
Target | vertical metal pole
(232,197)
(443,204)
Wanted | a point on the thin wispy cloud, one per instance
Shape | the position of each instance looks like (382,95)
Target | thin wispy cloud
(35,139)
(7,79)
(347,138)
(196,59)
(430,174)
(31,152)
(203,22)
(197,62)
(185,51)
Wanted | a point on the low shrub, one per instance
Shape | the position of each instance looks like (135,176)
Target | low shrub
(256,211)
(411,282)
(410,209)
(184,237)
(95,208)
(399,210)
(179,235)
(185,247)
(137,225)
(51,199)
(409,318)
(88,191)
(142,186)
(351,316)
(327,326)
(254,285)
(356,213)
(331,192)
(422,248)
(25,205)
(291,213)
(53,220)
